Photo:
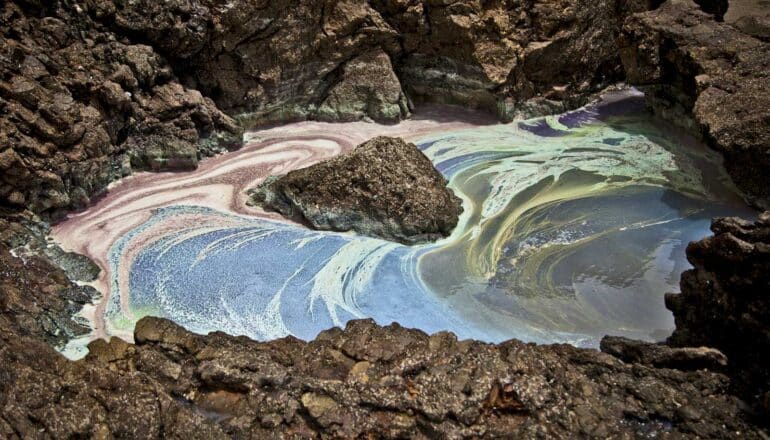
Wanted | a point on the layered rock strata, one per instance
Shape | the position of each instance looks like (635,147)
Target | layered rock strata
(384,188)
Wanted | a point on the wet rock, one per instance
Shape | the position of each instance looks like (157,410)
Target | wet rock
(384,188)
(36,295)
(724,301)
(709,77)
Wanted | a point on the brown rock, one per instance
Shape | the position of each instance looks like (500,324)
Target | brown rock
(368,88)
(385,188)
(662,356)
(724,301)
(77,100)
(709,77)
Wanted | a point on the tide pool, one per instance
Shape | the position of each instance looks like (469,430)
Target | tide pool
(574,227)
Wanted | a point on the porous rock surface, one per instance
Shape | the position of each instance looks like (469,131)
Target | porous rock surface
(80,106)
(725,301)
(710,77)
(365,381)
(384,188)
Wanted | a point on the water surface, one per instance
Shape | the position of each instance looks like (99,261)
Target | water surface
(574,227)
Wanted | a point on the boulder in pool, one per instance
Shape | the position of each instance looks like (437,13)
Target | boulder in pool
(384,188)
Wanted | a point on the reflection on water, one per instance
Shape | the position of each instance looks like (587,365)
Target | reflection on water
(574,227)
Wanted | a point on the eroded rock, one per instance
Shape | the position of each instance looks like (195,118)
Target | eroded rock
(663,356)
(284,60)
(80,104)
(709,77)
(384,188)
(367,89)
(392,382)
(725,301)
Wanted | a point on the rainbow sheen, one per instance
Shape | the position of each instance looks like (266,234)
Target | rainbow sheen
(574,227)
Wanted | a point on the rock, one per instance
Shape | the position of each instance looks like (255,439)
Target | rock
(662,356)
(284,60)
(363,379)
(384,188)
(416,382)
(35,293)
(709,77)
(163,153)
(87,85)
(78,100)
(724,301)
(717,8)
(368,88)
(320,407)
(756,26)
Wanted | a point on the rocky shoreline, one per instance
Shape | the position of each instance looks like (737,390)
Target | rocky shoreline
(90,91)
(362,380)
(94,90)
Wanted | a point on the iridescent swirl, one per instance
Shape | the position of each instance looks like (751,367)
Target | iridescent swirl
(574,227)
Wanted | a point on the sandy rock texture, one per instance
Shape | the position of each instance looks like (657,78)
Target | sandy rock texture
(384,188)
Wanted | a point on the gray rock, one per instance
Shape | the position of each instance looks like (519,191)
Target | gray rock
(368,89)
(663,356)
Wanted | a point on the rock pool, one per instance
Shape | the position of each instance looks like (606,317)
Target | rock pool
(574,227)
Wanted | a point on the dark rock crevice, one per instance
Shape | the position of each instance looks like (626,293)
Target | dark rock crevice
(724,302)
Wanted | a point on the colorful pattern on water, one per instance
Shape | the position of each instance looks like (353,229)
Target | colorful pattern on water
(574,227)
